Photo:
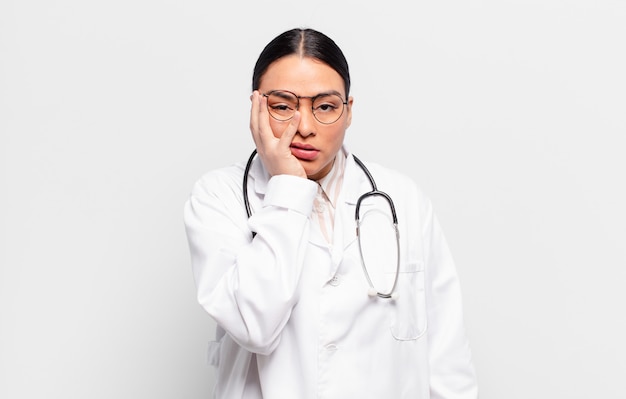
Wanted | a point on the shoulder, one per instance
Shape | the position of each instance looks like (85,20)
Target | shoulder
(389,179)
(407,195)
(227,178)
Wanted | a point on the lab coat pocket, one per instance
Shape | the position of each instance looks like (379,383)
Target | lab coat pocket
(409,315)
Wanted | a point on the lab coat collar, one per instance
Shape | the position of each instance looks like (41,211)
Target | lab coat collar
(259,176)
(355,181)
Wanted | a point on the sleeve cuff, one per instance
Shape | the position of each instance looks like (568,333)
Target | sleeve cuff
(291,192)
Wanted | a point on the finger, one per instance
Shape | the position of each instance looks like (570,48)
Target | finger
(254,117)
(290,131)
(267,141)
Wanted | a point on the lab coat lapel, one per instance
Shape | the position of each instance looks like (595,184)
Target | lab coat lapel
(259,177)
(355,184)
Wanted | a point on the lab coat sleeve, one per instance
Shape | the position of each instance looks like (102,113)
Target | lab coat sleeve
(249,286)
(452,374)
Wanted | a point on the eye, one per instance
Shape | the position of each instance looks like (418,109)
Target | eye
(282,104)
(326,107)
(327,104)
(281,107)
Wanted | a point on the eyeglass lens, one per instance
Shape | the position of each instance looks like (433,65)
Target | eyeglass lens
(326,108)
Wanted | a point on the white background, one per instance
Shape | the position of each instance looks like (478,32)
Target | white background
(510,114)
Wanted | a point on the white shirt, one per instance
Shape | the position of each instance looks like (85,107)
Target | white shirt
(293,314)
(327,196)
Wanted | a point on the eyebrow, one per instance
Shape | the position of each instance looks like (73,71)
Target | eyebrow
(327,93)
(324,93)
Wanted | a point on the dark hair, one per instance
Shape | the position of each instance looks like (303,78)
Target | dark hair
(306,43)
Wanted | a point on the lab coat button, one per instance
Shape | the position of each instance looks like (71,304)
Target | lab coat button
(334,281)
(320,208)
(331,347)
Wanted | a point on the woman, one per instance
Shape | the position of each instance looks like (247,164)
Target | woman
(304,307)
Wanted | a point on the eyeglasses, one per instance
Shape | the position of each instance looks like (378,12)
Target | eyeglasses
(327,108)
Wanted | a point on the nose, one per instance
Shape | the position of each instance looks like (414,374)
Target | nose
(307,122)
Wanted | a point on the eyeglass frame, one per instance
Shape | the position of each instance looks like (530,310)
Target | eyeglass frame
(312,98)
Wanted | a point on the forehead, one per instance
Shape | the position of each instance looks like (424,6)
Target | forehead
(304,76)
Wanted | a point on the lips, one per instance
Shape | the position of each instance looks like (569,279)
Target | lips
(304,151)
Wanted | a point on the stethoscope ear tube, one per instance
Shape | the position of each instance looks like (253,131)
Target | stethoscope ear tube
(392,294)
(246,201)
(373,193)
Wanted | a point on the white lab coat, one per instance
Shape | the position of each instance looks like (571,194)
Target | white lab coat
(293,313)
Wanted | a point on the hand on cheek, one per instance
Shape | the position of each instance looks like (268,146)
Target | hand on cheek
(274,152)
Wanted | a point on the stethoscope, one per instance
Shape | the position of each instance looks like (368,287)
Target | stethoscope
(372,292)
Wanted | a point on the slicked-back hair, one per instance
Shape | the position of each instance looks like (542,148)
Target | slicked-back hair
(305,43)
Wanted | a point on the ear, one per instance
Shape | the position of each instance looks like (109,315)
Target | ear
(349,111)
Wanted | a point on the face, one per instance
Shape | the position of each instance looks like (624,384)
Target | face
(315,144)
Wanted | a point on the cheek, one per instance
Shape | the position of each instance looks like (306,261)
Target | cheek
(277,127)
(337,135)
